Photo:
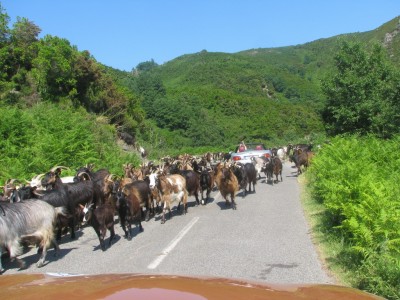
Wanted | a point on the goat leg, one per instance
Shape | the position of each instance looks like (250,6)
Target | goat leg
(72,227)
(112,235)
(101,234)
(56,247)
(40,263)
(163,216)
(140,226)
(1,266)
(233,201)
(129,236)
(21,263)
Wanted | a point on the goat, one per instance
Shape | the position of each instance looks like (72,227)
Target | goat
(301,158)
(241,176)
(129,208)
(259,163)
(246,175)
(69,195)
(10,189)
(281,153)
(128,170)
(99,179)
(227,183)
(36,181)
(269,170)
(27,221)
(192,183)
(206,184)
(277,167)
(171,188)
(100,218)
(251,174)
(127,138)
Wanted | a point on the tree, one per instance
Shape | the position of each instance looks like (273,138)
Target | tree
(24,32)
(24,36)
(4,30)
(53,68)
(146,66)
(361,95)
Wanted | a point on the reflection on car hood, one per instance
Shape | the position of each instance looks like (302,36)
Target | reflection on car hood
(136,286)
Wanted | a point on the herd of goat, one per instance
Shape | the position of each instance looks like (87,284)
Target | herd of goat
(39,213)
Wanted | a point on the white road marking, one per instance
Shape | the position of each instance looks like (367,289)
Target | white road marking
(172,245)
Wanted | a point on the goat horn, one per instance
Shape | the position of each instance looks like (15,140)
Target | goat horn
(12,181)
(90,166)
(38,176)
(58,167)
(83,173)
(109,177)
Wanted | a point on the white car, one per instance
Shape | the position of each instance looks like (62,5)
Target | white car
(252,150)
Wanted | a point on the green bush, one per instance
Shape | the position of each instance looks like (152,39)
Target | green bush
(357,180)
(36,139)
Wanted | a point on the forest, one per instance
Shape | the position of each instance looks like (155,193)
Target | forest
(60,106)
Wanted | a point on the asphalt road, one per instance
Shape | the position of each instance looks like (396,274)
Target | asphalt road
(266,239)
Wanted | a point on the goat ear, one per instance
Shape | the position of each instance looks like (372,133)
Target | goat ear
(81,206)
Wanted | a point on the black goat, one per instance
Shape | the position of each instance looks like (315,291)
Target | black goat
(192,183)
(241,175)
(269,170)
(206,184)
(100,218)
(99,179)
(251,174)
(69,195)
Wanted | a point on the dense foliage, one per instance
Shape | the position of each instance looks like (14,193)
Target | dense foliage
(356,178)
(363,93)
(37,70)
(35,140)
(197,96)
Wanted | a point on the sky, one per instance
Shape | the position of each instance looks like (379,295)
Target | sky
(123,33)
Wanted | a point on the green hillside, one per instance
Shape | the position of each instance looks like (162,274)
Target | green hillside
(273,94)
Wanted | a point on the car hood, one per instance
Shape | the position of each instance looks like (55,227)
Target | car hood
(136,286)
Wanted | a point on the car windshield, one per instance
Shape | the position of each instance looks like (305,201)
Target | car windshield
(255,146)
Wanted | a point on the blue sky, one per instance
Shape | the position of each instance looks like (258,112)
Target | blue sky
(123,33)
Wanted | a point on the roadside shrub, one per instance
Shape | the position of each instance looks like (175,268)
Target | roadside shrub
(357,180)
(36,139)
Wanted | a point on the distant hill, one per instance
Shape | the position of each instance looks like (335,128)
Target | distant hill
(267,94)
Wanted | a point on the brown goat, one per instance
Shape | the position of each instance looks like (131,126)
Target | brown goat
(130,202)
(301,158)
(227,183)
(171,188)
(277,168)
